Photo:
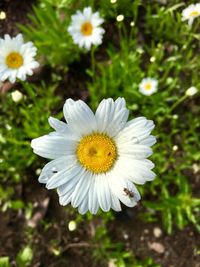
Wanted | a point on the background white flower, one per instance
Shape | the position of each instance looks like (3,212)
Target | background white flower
(16,96)
(190,13)
(96,158)
(148,86)
(191,91)
(85,29)
(16,58)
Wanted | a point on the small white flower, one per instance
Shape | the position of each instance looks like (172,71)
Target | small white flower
(148,86)
(96,158)
(72,226)
(120,18)
(191,91)
(190,13)
(175,147)
(16,96)
(2,15)
(85,29)
(16,58)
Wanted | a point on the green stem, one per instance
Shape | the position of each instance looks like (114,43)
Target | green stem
(179,101)
(16,142)
(93,63)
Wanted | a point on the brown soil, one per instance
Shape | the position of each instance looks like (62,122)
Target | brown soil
(76,248)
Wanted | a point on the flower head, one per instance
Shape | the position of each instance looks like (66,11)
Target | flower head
(16,58)
(85,29)
(148,86)
(97,158)
(190,13)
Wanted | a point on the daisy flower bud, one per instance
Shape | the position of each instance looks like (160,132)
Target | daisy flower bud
(191,91)
(16,58)
(97,158)
(16,96)
(148,86)
(85,28)
(2,15)
(190,13)
(72,226)
(120,18)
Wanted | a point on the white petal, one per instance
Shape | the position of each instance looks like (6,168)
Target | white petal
(111,116)
(87,12)
(53,145)
(138,171)
(190,21)
(58,125)
(93,204)
(103,192)
(62,128)
(70,184)
(118,184)
(104,114)
(55,166)
(149,141)
(135,151)
(65,199)
(137,128)
(81,189)
(79,116)
(118,122)
(63,176)
(115,203)
(83,208)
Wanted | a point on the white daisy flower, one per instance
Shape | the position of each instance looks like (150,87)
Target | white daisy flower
(16,58)
(97,158)
(85,29)
(190,13)
(148,86)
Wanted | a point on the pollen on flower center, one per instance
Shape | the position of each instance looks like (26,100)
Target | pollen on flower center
(86,28)
(97,152)
(148,86)
(194,13)
(14,60)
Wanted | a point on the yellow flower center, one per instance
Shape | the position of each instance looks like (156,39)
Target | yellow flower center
(148,86)
(194,13)
(14,60)
(86,28)
(97,152)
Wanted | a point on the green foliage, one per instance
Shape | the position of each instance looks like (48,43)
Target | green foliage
(16,133)
(48,30)
(108,251)
(29,123)
(24,257)
(4,262)
(169,56)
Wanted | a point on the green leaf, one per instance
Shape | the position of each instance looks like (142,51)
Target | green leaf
(4,262)
(24,257)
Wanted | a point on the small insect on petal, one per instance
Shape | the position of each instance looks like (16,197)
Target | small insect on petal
(128,192)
